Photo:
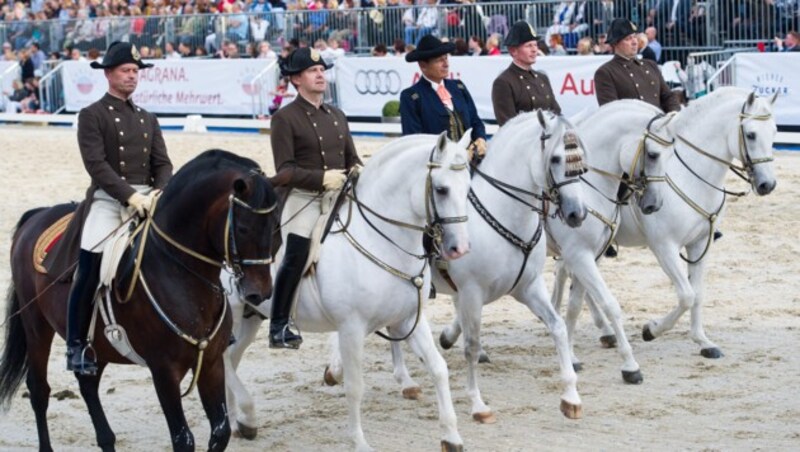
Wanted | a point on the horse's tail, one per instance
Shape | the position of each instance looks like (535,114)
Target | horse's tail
(14,359)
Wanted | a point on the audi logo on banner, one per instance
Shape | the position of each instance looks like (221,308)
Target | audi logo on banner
(377,81)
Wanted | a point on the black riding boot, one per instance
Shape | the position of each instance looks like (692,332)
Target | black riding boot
(79,313)
(280,336)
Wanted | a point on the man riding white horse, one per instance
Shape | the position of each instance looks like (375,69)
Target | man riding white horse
(313,150)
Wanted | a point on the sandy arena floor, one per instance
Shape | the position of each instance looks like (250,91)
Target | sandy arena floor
(747,400)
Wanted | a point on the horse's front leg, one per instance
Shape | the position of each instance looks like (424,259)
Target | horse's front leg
(242,413)
(574,305)
(211,386)
(423,345)
(708,349)
(351,349)
(166,380)
(669,259)
(469,309)
(588,275)
(451,333)
(534,296)
(89,387)
(410,388)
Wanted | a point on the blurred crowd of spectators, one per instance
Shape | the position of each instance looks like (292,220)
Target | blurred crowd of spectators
(206,24)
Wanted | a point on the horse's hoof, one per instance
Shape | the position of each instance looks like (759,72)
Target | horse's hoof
(328,377)
(711,353)
(577,367)
(634,378)
(609,341)
(246,432)
(483,357)
(484,418)
(412,393)
(446,344)
(571,411)
(646,334)
(447,446)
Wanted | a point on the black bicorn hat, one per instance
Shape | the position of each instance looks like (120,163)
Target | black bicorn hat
(520,33)
(619,29)
(300,60)
(121,53)
(430,47)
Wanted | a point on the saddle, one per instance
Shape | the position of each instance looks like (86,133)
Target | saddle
(113,250)
(48,240)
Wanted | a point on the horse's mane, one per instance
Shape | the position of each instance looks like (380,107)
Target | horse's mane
(197,169)
(511,129)
(607,110)
(397,147)
(700,108)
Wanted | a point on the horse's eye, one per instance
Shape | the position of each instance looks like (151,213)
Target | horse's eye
(555,160)
(243,230)
(442,191)
(751,135)
(653,155)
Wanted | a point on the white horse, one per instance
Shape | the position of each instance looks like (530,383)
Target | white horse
(526,158)
(624,152)
(710,134)
(373,272)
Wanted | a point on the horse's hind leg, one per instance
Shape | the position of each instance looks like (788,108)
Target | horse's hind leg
(89,386)
(38,344)
(535,298)
(421,342)
(211,386)
(167,380)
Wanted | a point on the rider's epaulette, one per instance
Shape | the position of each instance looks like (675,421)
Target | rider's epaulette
(460,86)
(414,96)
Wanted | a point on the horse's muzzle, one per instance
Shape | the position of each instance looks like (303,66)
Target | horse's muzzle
(765,188)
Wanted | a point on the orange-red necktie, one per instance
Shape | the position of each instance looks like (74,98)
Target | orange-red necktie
(445,96)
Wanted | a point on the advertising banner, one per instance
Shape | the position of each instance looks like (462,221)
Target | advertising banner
(770,73)
(364,85)
(220,87)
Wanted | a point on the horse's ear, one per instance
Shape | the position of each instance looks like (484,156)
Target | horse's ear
(540,116)
(751,98)
(465,139)
(441,143)
(239,186)
(774,98)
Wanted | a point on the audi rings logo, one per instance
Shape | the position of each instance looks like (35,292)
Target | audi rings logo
(378,82)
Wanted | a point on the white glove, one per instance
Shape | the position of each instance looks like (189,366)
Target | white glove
(333,179)
(140,203)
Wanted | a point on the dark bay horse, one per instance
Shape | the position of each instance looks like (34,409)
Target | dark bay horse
(217,210)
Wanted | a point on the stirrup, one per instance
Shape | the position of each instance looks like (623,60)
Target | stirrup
(286,338)
(84,366)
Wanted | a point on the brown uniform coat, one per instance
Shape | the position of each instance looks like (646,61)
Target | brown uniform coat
(121,145)
(307,141)
(516,91)
(621,78)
